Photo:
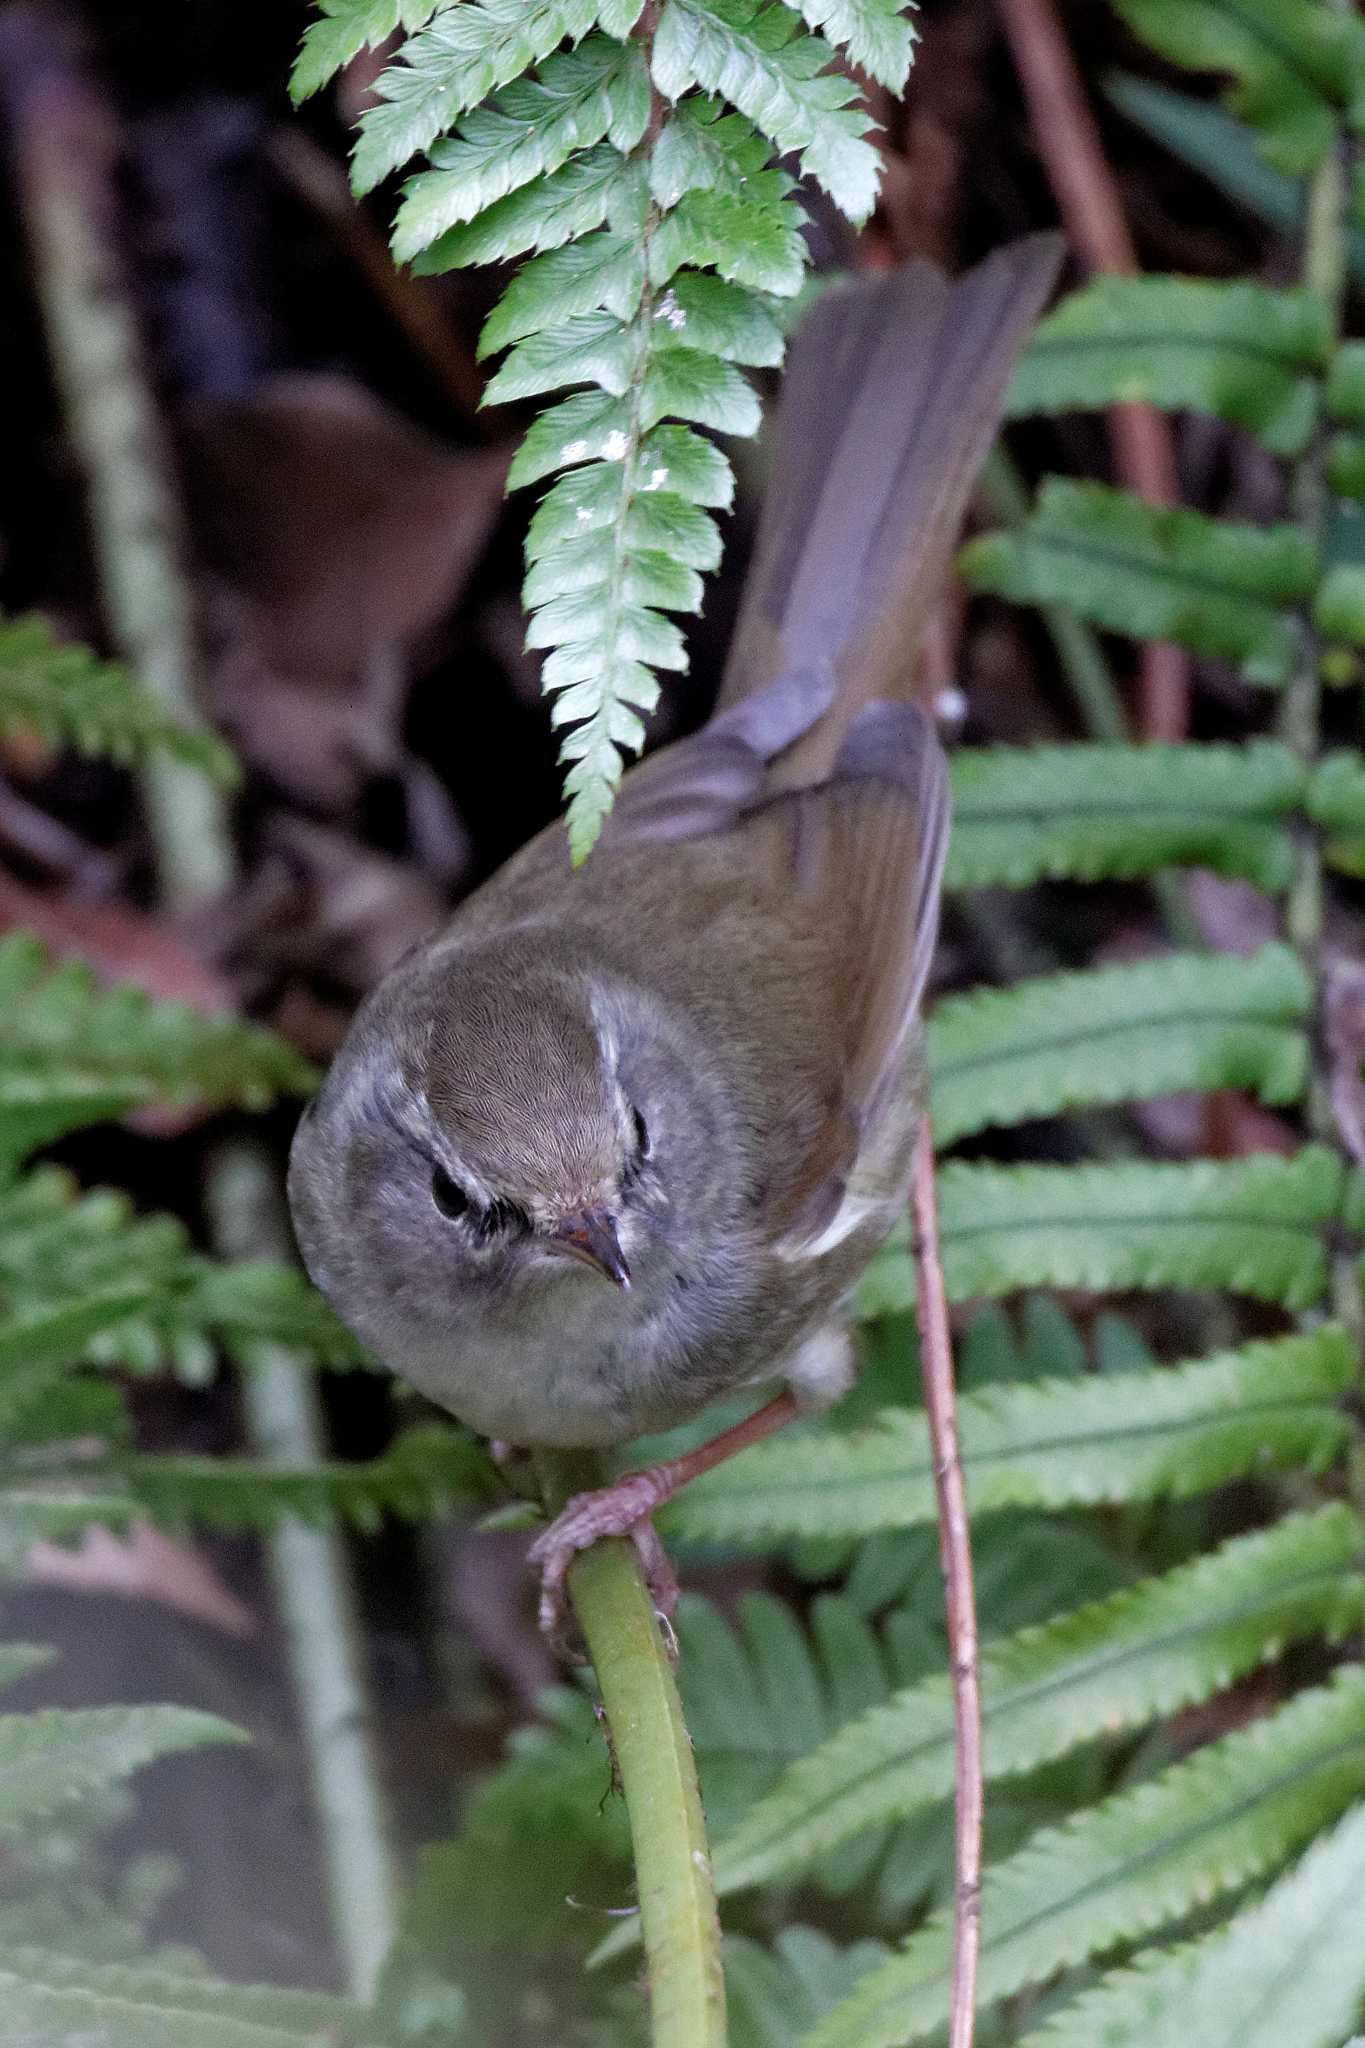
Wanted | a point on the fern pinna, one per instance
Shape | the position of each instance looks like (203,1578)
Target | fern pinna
(627,152)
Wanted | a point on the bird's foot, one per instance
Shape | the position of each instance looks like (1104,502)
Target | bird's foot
(622,1509)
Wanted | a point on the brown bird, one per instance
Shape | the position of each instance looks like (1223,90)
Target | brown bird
(619,1140)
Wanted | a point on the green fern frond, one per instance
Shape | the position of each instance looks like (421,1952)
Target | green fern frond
(1242,351)
(429,1472)
(1111,1665)
(73,1053)
(1296,64)
(1158,572)
(1292,1969)
(1156,1435)
(50,1998)
(72,698)
(1257,1226)
(50,1758)
(627,156)
(1089,813)
(52,1511)
(1120,1034)
(1140,1859)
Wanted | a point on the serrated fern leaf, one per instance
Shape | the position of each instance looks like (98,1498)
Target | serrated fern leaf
(428,1472)
(598,92)
(1111,1665)
(50,1758)
(1120,1034)
(1022,815)
(1157,572)
(750,53)
(50,1998)
(347,27)
(1239,350)
(464,54)
(72,698)
(1154,1435)
(52,1513)
(1235,1810)
(1292,1969)
(1295,62)
(1258,1226)
(72,1052)
(876,34)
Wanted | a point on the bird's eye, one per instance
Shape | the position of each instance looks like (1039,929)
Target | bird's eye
(449,1197)
(642,1144)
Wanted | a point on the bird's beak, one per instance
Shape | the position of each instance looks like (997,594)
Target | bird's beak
(590,1235)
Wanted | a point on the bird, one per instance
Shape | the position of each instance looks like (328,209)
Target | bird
(620,1139)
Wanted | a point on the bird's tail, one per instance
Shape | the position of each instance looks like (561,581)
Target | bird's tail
(892,397)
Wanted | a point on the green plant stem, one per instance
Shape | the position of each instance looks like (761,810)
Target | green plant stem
(653,1756)
(65,148)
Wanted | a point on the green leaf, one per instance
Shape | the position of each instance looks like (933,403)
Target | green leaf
(1108,1666)
(592,348)
(701,312)
(467,52)
(581,97)
(603,270)
(1095,812)
(701,148)
(71,698)
(749,53)
(427,1473)
(65,1042)
(747,243)
(51,1998)
(589,427)
(1120,1034)
(347,27)
(51,1758)
(564,207)
(875,33)
(1157,1435)
(1158,572)
(689,384)
(1292,1969)
(1257,1226)
(1140,1859)
(1239,350)
(587,502)
(1296,63)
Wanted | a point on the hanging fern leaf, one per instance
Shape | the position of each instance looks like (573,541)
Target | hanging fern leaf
(1091,812)
(1290,1970)
(1241,351)
(1111,1665)
(1142,1858)
(1153,1435)
(50,1998)
(627,154)
(1296,63)
(1120,1034)
(49,1758)
(347,28)
(1258,1226)
(1157,572)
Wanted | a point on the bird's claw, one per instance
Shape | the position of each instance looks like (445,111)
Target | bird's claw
(622,1509)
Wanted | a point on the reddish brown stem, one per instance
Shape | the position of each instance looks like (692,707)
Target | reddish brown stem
(955,1548)
(1068,143)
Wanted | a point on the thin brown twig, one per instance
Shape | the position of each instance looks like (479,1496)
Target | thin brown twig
(955,1547)
(1068,143)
